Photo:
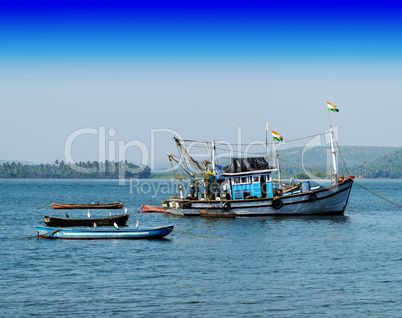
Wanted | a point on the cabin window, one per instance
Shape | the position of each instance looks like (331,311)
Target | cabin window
(244,179)
(237,180)
(256,179)
(239,194)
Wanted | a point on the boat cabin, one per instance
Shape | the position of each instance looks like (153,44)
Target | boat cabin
(247,178)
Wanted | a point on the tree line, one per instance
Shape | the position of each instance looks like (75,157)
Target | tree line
(389,166)
(80,170)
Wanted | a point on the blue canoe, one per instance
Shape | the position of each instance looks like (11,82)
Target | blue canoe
(93,234)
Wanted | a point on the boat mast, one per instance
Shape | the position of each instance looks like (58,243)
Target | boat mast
(331,132)
(213,157)
(266,141)
(278,165)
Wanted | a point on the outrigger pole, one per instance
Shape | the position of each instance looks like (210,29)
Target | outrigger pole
(171,158)
(190,159)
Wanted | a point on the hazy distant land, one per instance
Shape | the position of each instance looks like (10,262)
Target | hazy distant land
(361,161)
(81,170)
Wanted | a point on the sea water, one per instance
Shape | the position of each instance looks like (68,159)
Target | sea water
(316,266)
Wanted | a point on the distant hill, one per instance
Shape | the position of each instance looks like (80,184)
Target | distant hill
(357,158)
(319,158)
(367,162)
(389,166)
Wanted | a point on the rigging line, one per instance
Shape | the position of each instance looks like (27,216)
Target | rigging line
(269,156)
(385,199)
(48,234)
(182,159)
(343,159)
(243,152)
(183,156)
(295,164)
(235,144)
(197,141)
(353,211)
(223,149)
(176,172)
(205,236)
(43,207)
(238,152)
(322,134)
(372,192)
(187,155)
(286,171)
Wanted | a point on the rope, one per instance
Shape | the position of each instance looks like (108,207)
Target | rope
(347,170)
(47,234)
(284,168)
(192,161)
(48,206)
(343,159)
(353,211)
(135,212)
(270,143)
(295,164)
(389,201)
(205,236)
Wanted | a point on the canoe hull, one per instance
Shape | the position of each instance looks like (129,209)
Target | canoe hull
(152,209)
(120,220)
(96,234)
(116,205)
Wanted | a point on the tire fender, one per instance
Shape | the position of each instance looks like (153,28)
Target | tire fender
(277,203)
(226,206)
(312,197)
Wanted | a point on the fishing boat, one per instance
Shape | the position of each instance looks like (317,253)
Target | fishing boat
(246,187)
(152,209)
(67,222)
(115,205)
(93,234)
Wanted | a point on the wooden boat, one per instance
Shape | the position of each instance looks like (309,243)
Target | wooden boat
(152,209)
(330,200)
(115,205)
(246,187)
(67,222)
(93,234)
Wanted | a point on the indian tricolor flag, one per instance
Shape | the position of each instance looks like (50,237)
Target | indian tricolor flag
(332,108)
(276,136)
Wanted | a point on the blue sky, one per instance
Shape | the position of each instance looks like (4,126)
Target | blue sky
(207,29)
(191,65)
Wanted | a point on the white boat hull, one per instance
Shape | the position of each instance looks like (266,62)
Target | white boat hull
(329,200)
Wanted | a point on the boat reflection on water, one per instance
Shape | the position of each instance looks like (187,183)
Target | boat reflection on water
(311,218)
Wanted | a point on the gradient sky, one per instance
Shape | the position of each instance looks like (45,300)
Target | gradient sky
(201,68)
